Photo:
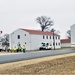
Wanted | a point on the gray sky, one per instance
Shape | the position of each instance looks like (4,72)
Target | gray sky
(22,14)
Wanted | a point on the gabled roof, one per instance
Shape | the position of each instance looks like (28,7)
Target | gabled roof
(65,40)
(39,32)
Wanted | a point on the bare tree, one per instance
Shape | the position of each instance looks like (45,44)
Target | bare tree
(55,31)
(69,34)
(5,39)
(45,22)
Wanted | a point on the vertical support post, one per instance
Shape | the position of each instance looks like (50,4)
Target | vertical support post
(53,40)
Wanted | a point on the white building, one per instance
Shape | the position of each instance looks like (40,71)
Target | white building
(33,39)
(65,43)
(73,35)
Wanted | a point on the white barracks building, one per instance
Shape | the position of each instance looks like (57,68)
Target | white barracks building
(33,39)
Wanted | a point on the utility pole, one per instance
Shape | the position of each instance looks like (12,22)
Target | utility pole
(53,38)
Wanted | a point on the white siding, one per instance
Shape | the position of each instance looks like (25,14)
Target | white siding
(73,35)
(14,40)
(37,40)
(57,41)
(65,44)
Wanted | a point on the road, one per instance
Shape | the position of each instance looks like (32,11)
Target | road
(30,55)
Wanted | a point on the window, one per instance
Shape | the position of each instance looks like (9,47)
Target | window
(47,37)
(18,36)
(50,37)
(59,43)
(43,44)
(43,37)
(56,44)
(53,37)
(25,42)
(53,43)
(58,37)
(47,44)
(25,34)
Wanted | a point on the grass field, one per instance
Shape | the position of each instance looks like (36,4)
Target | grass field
(53,65)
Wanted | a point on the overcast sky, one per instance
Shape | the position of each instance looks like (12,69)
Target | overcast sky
(16,14)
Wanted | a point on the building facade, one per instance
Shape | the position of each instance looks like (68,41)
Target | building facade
(73,35)
(33,39)
(65,43)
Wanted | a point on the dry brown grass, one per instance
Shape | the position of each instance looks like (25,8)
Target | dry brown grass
(53,65)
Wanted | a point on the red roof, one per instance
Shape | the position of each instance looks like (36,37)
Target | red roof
(40,32)
(65,40)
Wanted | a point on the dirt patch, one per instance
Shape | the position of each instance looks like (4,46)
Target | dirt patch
(53,65)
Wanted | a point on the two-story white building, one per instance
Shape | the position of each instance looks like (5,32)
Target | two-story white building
(33,39)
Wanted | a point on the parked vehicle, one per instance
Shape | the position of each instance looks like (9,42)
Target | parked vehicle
(48,47)
(42,48)
(45,48)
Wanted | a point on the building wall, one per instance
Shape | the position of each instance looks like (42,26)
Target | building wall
(24,40)
(32,41)
(65,44)
(37,40)
(57,42)
(73,35)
